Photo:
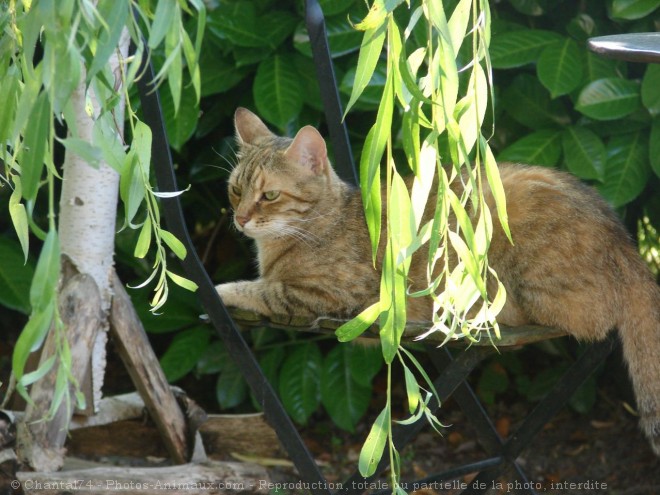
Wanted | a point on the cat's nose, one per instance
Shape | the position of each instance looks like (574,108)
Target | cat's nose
(243,219)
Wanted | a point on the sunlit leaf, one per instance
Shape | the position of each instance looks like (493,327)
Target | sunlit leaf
(609,99)
(559,67)
(374,446)
(627,168)
(584,153)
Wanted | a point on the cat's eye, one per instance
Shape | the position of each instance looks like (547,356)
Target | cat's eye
(236,190)
(271,195)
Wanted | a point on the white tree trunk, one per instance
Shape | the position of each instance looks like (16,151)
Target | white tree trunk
(88,209)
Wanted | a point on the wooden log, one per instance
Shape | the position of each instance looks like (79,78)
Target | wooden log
(224,435)
(40,443)
(211,478)
(248,434)
(147,376)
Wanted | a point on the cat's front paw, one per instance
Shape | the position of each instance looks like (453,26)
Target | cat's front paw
(228,293)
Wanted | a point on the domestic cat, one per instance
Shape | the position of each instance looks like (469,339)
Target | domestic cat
(572,265)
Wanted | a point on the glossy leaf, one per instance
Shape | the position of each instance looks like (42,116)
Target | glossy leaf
(654,146)
(343,38)
(184,352)
(538,148)
(627,168)
(300,382)
(230,388)
(515,48)
(180,126)
(584,153)
(345,399)
(559,67)
(15,276)
(529,7)
(651,89)
(214,359)
(277,91)
(218,73)
(609,99)
(364,362)
(633,9)
(528,102)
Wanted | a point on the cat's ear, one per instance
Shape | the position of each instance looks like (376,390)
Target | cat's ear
(308,149)
(249,127)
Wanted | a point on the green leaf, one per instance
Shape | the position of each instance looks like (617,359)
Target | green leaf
(528,102)
(31,337)
(374,445)
(15,276)
(370,50)
(84,149)
(181,310)
(597,67)
(412,390)
(47,273)
(584,398)
(181,126)
(115,15)
(276,90)
(214,359)
(300,382)
(231,389)
(372,94)
(633,9)
(218,73)
(182,281)
(627,168)
(162,23)
(354,328)
(537,148)
(173,243)
(493,380)
(19,217)
(608,99)
(515,48)
(238,23)
(144,240)
(186,349)
(364,362)
(332,7)
(654,148)
(529,7)
(651,89)
(345,399)
(560,67)
(584,153)
(343,38)
(271,362)
(34,146)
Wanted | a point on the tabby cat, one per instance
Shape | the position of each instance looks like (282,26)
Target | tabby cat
(572,265)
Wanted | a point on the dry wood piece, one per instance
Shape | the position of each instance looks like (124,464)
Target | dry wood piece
(41,442)
(211,478)
(247,434)
(146,374)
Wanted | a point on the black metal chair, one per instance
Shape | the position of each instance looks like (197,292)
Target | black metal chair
(453,371)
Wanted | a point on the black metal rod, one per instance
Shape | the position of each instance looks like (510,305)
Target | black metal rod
(217,312)
(325,74)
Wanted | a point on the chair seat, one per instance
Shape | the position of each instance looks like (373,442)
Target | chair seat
(509,336)
(635,47)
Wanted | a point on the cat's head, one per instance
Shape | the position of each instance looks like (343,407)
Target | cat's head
(277,183)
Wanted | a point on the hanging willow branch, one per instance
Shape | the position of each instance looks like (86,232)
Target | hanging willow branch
(439,90)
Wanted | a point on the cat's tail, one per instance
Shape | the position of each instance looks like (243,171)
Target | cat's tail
(639,330)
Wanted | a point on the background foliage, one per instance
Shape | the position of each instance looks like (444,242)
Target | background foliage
(556,105)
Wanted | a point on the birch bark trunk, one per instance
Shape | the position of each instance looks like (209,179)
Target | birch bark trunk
(88,214)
